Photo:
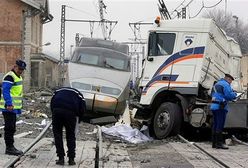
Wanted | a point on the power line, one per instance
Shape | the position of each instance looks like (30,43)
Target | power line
(180,11)
(213,5)
(203,6)
(136,29)
(81,11)
(175,10)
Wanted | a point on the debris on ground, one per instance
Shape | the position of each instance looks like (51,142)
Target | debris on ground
(127,133)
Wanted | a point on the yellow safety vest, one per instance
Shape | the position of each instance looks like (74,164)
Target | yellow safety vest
(16,92)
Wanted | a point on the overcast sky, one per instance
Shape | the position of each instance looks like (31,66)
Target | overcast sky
(123,11)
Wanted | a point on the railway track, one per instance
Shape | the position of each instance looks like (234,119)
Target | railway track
(99,154)
(204,151)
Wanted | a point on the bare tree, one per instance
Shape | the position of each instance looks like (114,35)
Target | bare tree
(233,27)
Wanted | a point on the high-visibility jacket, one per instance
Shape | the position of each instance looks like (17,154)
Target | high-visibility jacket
(16,92)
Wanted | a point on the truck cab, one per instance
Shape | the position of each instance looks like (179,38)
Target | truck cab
(184,59)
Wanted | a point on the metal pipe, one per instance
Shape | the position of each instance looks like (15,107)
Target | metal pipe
(204,151)
(37,139)
(99,152)
(239,141)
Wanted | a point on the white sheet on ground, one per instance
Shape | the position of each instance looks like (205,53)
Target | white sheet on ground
(127,133)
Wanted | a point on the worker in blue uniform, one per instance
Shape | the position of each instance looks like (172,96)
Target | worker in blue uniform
(68,107)
(11,104)
(222,93)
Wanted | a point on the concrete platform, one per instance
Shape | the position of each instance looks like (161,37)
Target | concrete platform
(235,157)
(120,155)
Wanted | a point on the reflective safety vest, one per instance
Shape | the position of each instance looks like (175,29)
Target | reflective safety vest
(15,92)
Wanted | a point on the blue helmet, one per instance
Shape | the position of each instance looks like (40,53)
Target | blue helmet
(21,64)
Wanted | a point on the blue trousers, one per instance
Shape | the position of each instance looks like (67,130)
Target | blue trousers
(219,120)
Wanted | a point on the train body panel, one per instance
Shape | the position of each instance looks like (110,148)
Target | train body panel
(100,69)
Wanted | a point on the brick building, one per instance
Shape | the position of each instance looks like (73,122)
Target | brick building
(21,23)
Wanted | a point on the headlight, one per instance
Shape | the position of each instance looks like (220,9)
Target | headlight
(81,86)
(111,91)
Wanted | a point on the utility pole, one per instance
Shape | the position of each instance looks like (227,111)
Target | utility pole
(236,26)
(136,48)
(163,10)
(62,35)
(101,7)
(62,46)
(183,13)
(136,28)
(225,7)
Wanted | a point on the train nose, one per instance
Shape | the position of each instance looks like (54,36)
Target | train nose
(103,103)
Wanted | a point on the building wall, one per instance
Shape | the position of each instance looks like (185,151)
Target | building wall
(51,74)
(244,70)
(10,20)
(10,33)
(20,36)
(44,73)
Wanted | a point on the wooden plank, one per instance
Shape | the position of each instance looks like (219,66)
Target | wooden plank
(23,134)
(194,156)
(115,155)
(30,157)
(233,157)
(79,148)
(19,143)
(44,156)
(79,152)
(88,155)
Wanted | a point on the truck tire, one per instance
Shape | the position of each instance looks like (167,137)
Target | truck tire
(167,120)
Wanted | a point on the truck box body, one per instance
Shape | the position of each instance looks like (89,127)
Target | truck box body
(184,59)
(198,52)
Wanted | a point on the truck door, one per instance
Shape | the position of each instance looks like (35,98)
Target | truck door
(157,69)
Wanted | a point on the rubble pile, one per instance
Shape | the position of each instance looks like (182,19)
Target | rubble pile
(37,104)
(36,113)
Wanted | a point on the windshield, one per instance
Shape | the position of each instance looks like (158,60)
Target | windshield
(161,43)
(88,58)
(102,58)
(114,63)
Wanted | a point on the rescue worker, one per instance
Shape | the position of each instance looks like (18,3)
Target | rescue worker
(11,104)
(222,93)
(68,106)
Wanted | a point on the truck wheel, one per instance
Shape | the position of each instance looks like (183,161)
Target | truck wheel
(167,118)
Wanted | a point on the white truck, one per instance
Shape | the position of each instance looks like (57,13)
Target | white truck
(184,59)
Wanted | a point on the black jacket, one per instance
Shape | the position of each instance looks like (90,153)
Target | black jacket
(69,99)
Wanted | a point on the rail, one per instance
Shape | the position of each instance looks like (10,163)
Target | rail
(11,163)
(204,151)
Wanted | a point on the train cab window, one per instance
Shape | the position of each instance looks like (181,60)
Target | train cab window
(114,63)
(88,58)
(161,43)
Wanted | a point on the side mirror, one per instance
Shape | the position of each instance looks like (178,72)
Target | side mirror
(150,59)
(66,61)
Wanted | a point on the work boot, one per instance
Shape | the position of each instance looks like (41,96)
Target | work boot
(61,161)
(213,140)
(71,161)
(219,142)
(13,151)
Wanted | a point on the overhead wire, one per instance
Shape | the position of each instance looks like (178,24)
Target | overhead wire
(81,11)
(203,6)
(183,7)
(175,10)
